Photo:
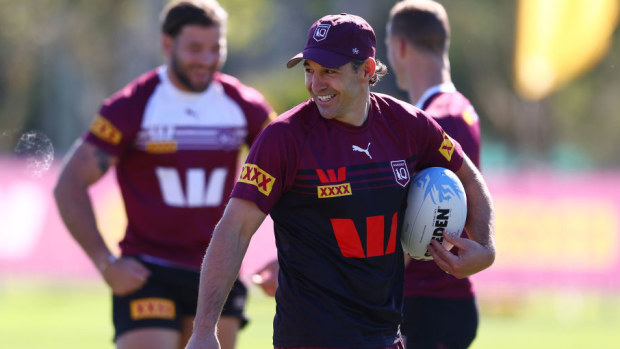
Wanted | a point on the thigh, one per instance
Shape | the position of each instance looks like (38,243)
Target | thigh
(227,328)
(152,338)
(235,303)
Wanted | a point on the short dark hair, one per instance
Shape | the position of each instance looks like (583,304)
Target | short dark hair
(423,23)
(180,13)
(380,70)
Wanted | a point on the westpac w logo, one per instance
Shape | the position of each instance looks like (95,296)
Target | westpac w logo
(202,189)
(320,33)
(336,189)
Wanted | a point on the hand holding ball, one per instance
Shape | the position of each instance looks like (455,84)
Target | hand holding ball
(436,203)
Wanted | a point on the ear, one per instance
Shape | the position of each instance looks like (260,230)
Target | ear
(167,45)
(369,67)
(401,46)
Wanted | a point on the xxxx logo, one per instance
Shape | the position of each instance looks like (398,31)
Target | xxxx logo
(447,148)
(152,308)
(105,130)
(333,190)
(254,175)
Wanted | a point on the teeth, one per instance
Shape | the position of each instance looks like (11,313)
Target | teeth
(325,98)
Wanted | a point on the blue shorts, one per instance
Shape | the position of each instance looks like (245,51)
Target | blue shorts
(169,295)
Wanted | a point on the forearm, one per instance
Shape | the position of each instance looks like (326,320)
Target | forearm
(222,261)
(219,271)
(76,211)
(84,166)
(480,223)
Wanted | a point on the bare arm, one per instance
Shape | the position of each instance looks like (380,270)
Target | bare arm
(86,164)
(221,265)
(478,252)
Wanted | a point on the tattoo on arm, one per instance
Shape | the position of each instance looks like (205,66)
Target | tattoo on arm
(103,160)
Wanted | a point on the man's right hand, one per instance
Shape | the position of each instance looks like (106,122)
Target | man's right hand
(125,275)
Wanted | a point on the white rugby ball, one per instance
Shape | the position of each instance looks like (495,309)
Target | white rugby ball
(436,202)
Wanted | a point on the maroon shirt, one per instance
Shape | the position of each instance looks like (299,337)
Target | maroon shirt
(178,159)
(336,194)
(458,118)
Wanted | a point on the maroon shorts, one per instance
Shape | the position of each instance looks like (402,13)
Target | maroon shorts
(398,345)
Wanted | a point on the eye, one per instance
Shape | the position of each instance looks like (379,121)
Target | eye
(195,48)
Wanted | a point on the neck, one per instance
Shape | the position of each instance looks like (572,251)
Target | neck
(426,74)
(357,115)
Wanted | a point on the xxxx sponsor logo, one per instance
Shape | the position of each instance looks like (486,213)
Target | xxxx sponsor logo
(105,130)
(447,148)
(330,191)
(152,308)
(254,175)
(161,147)
(333,176)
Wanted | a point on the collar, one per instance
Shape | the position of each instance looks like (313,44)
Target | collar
(444,87)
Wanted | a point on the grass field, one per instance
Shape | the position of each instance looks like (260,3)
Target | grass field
(37,314)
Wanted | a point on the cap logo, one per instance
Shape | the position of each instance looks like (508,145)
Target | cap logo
(321,32)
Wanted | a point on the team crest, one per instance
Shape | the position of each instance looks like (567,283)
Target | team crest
(320,33)
(401,172)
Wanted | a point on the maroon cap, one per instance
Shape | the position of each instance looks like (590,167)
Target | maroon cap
(335,40)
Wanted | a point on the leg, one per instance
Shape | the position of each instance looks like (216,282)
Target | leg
(187,327)
(152,338)
(227,329)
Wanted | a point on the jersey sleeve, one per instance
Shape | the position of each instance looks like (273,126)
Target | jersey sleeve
(269,168)
(115,126)
(437,148)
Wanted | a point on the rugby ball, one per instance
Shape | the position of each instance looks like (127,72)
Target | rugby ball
(436,202)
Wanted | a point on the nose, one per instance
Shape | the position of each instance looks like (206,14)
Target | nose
(317,83)
(209,57)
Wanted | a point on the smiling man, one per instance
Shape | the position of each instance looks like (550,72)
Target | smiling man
(333,173)
(174,136)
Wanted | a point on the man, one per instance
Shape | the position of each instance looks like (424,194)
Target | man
(174,135)
(439,310)
(333,174)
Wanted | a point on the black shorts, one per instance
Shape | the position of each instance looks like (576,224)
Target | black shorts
(169,295)
(439,322)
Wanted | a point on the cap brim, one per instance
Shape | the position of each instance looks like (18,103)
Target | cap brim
(323,57)
(296,59)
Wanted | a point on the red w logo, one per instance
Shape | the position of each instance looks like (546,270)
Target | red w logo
(349,239)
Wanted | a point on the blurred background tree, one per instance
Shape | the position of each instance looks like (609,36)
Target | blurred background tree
(60,58)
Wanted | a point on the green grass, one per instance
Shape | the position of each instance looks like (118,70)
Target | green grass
(38,314)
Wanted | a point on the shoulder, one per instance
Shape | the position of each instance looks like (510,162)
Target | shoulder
(295,122)
(241,93)
(396,110)
(135,93)
(452,103)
